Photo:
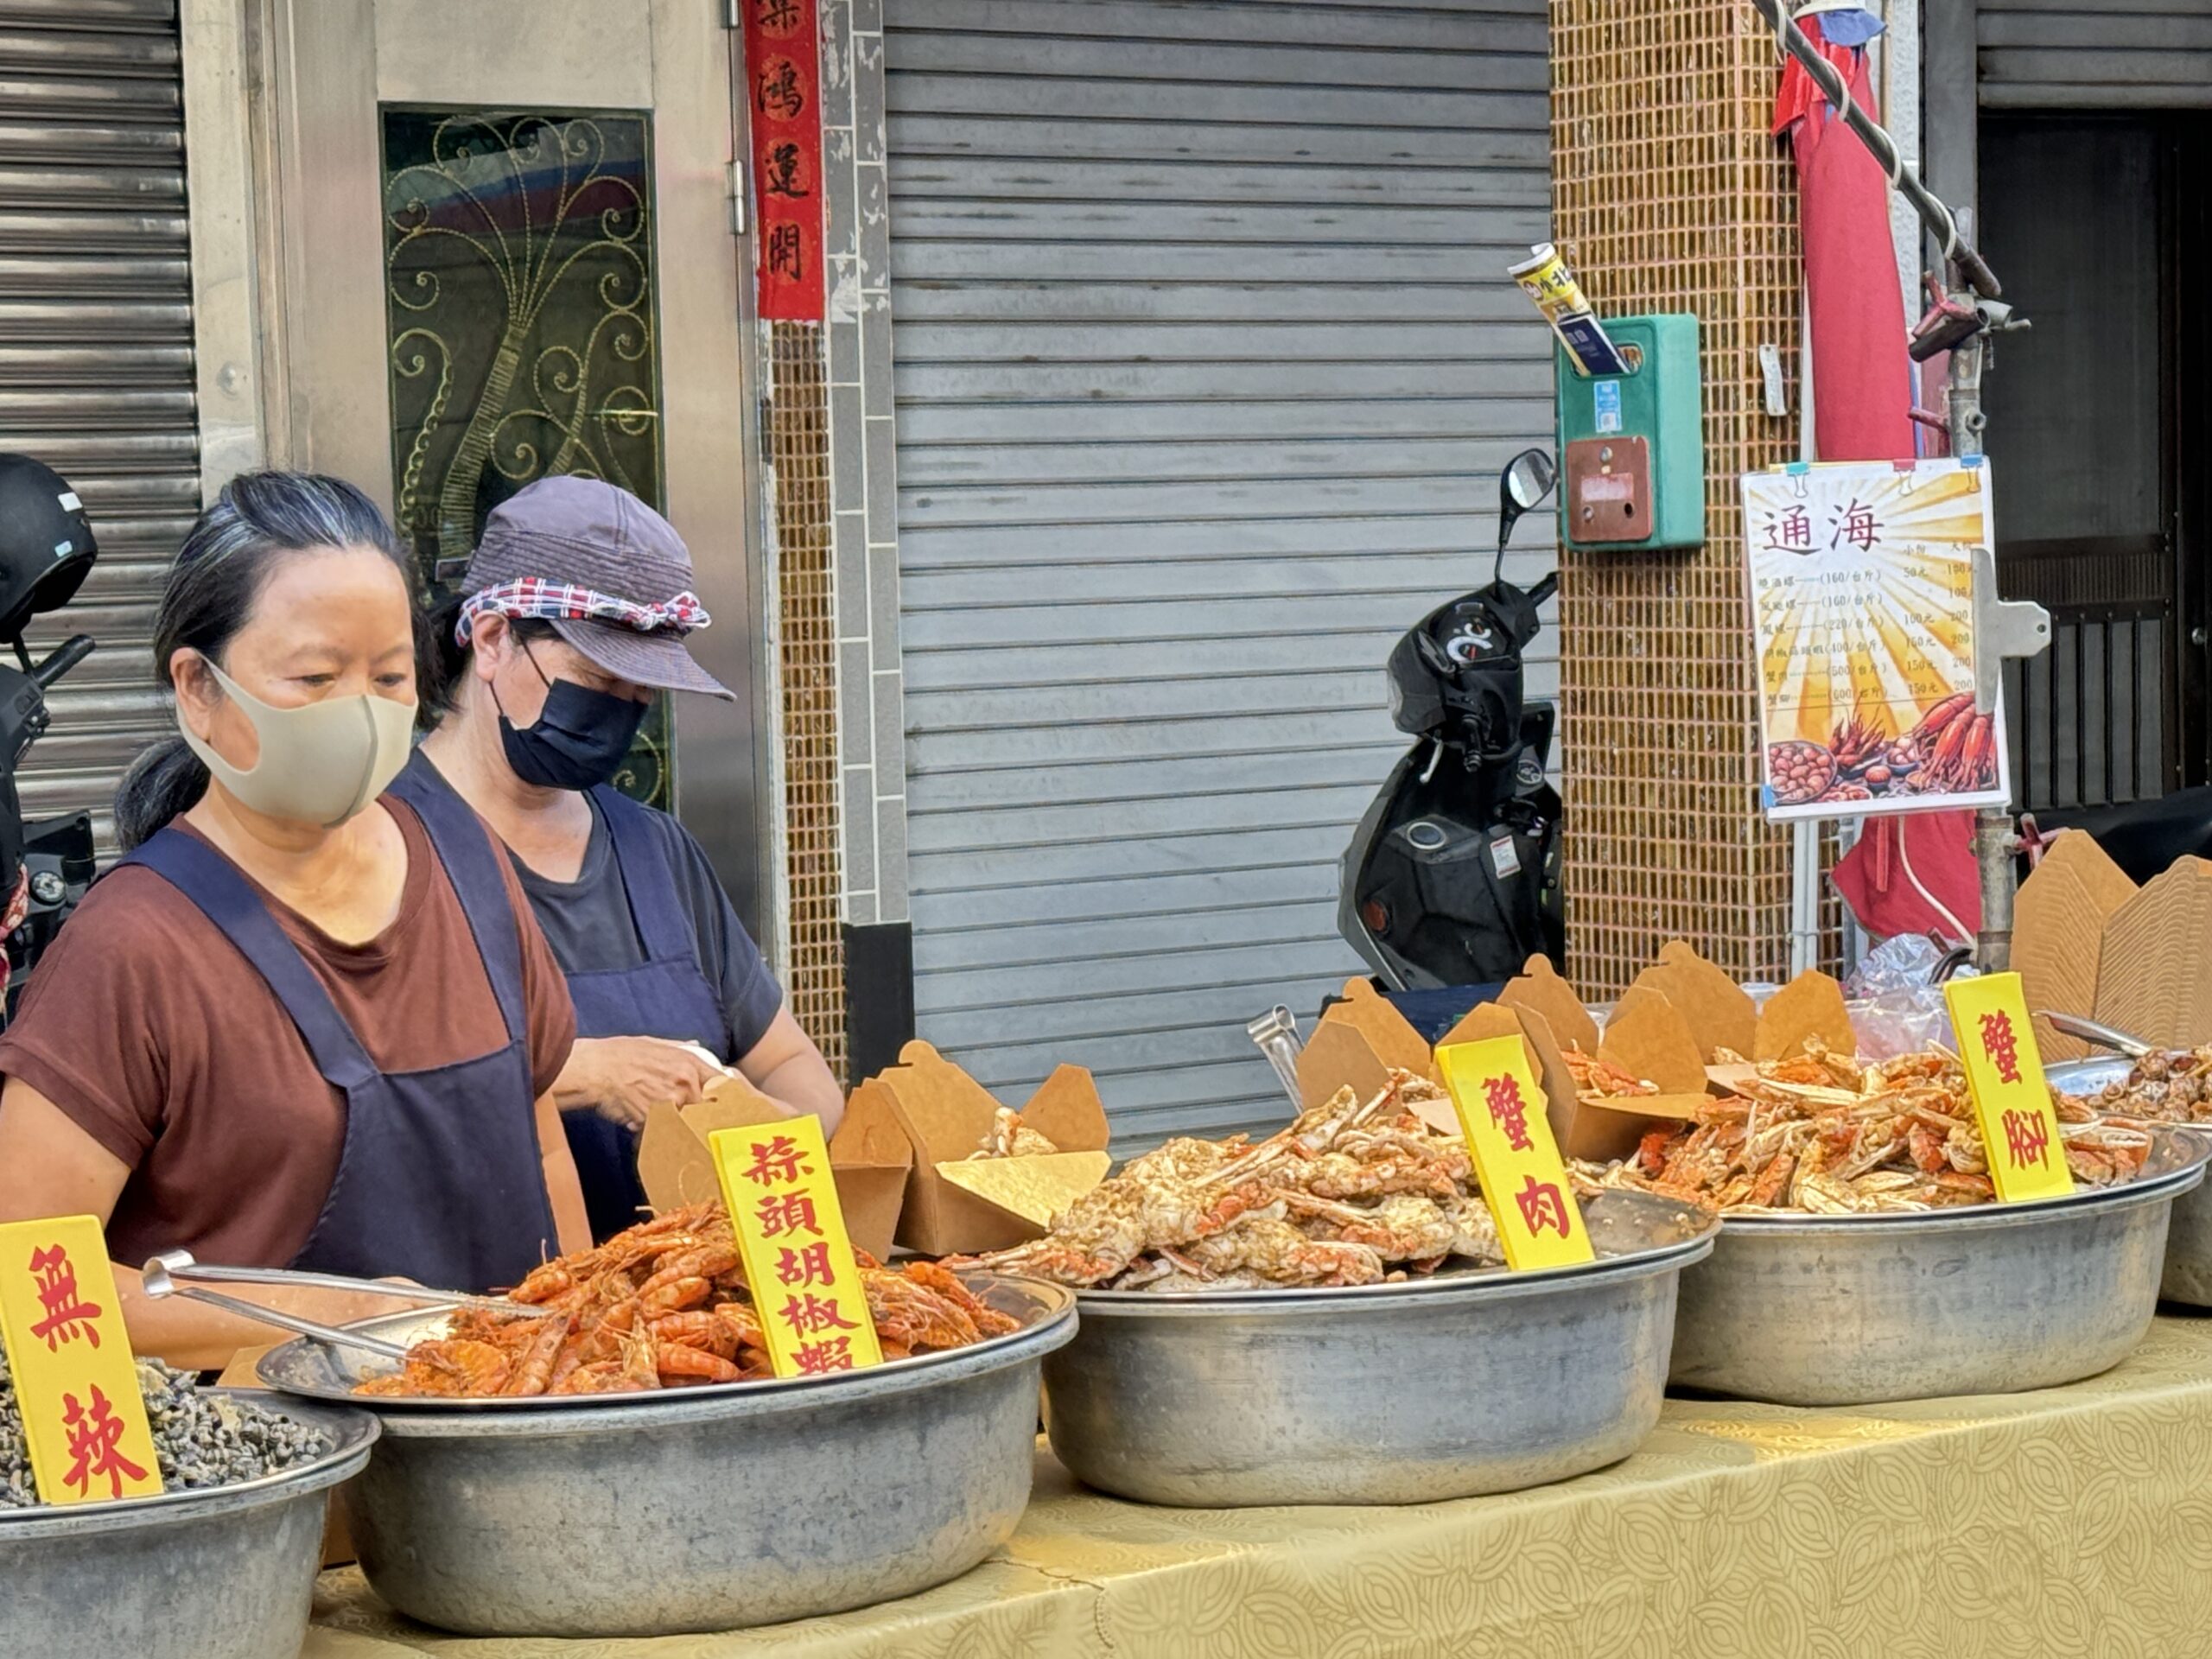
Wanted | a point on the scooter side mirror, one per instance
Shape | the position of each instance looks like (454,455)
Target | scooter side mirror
(1524,484)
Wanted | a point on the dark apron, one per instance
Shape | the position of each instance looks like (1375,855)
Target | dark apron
(665,996)
(441,1179)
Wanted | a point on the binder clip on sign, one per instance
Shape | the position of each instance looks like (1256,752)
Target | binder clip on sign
(1545,278)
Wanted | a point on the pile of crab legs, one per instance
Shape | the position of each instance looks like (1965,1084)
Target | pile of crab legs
(1352,1192)
(662,1304)
(1827,1134)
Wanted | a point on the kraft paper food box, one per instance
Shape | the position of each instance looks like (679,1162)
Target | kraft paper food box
(1809,1005)
(868,1156)
(2058,927)
(1350,1041)
(2151,981)
(958,1205)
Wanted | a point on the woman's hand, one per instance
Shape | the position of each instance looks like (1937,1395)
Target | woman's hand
(620,1077)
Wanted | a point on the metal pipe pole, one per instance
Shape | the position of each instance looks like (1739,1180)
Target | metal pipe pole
(1994,844)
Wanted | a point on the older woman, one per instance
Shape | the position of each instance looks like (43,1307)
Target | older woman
(572,615)
(300,1024)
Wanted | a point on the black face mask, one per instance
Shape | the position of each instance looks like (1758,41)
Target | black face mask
(580,737)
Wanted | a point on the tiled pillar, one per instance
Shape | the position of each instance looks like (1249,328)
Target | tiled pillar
(865,537)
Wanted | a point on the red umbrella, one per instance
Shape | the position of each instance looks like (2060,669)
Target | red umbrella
(1862,386)
(1903,875)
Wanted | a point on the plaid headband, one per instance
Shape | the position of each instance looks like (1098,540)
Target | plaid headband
(534,599)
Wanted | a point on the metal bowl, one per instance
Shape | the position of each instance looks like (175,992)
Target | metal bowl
(701,1508)
(1466,1383)
(224,1573)
(1985,1299)
(2188,1275)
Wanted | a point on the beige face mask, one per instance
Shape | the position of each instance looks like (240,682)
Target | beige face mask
(321,763)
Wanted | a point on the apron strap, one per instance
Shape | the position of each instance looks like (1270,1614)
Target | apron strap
(647,877)
(223,895)
(464,845)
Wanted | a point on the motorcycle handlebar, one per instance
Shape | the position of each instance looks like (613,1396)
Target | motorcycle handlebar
(65,657)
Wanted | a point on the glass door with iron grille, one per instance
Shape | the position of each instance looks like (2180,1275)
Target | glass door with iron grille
(508,251)
(2085,216)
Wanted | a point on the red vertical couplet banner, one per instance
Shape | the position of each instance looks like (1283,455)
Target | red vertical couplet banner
(783,70)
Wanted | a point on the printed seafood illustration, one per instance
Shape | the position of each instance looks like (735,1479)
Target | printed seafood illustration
(1861,579)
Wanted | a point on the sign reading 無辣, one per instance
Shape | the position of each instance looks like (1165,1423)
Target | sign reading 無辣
(798,1258)
(2011,1101)
(782,73)
(76,1382)
(1524,1181)
(1862,591)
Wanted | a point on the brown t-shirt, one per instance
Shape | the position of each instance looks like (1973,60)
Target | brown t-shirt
(149,1030)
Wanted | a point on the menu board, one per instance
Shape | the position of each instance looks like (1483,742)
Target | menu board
(1861,580)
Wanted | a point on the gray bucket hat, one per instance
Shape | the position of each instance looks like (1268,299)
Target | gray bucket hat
(558,536)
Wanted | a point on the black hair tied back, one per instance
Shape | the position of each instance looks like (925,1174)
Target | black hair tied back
(212,586)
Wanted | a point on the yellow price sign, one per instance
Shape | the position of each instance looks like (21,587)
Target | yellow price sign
(2011,1101)
(1524,1183)
(799,1257)
(76,1382)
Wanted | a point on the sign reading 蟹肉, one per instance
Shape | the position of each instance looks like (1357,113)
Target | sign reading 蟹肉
(1523,1180)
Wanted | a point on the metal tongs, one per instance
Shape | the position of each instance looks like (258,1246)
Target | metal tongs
(1276,1033)
(2104,1036)
(161,1276)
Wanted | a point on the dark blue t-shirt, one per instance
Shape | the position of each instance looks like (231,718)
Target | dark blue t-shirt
(587,923)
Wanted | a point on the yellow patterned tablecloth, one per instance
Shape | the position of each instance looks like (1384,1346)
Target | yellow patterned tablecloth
(2075,1521)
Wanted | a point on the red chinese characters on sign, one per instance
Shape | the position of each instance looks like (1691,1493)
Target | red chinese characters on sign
(67,1315)
(788,1216)
(1508,1111)
(1542,1206)
(95,1444)
(2002,1044)
(777,1161)
(809,1265)
(809,1316)
(2026,1140)
(784,71)
(818,1358)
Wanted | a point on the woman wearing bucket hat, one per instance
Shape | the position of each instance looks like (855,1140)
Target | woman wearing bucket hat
(572,615)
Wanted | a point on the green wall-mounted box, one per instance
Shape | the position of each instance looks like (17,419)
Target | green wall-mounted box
(1632,446)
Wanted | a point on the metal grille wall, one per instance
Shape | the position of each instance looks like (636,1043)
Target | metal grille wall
(1206,364)
(2096,54)
(96,373)
(1672,196)
(806,660)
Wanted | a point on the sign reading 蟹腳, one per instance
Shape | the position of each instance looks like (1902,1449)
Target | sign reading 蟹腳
(2011,1101)
(783,69)
(799,1259)
(76,1382)
(1523,1180)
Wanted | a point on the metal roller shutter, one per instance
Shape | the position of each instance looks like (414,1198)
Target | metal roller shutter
(2096,54)
(1206,366)
(96,368)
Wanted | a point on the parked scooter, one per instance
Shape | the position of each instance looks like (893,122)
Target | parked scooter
(1453,876)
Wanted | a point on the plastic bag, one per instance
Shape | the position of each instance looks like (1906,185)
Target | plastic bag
(1901,1022)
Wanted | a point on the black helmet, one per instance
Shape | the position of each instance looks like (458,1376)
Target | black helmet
(46,542)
